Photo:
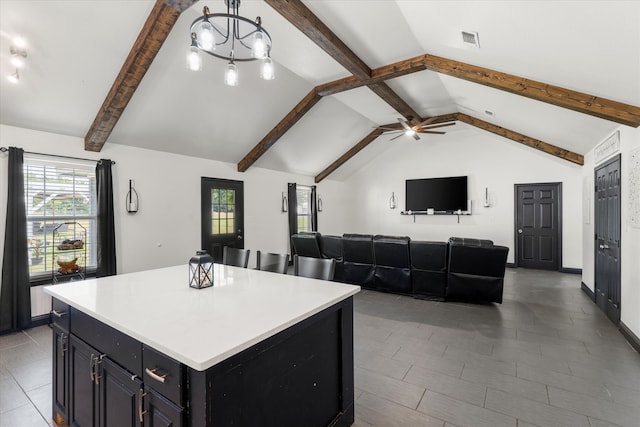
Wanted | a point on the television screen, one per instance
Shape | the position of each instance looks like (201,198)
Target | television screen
(440,194)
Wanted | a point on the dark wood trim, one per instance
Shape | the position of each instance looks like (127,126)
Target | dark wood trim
(566,98)
(587,290)
(281,128)
(310,25)
(523,139)
(156,29)
(633,339)
(349,154)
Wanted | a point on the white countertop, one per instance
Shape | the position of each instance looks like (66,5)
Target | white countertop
(201,327)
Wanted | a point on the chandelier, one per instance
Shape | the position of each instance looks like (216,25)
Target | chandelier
(231,37)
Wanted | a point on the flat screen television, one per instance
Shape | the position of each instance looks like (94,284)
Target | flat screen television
(440,194)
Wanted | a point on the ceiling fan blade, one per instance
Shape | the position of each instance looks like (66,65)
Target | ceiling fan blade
(436,126)
(430,131)
(425,122)
(386,129)
(404,124)
(416,136)
(396,137)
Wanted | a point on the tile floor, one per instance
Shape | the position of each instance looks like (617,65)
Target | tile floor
(545,357)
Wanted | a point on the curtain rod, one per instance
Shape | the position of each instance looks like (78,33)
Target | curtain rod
(3,149)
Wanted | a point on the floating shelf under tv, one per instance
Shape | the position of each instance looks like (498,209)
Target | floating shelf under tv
(456,213)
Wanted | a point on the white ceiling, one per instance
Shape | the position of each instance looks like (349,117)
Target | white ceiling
(76,49)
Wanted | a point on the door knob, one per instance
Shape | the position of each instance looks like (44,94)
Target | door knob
(520,230)
(239,237)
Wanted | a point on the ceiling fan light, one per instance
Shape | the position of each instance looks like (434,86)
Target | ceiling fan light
(410,132)
(266,71)
(231,74)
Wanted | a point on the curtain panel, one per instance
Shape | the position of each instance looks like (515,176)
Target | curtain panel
(15,293)
(106,236)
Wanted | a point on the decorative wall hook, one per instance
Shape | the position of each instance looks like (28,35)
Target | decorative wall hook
(285,203)
(392,201)
(319,203)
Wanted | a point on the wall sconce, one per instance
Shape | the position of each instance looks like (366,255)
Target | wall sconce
(201,270)
(285,203)
(132,198)
(393,202)
(18,54)
(486,197)
(319,203)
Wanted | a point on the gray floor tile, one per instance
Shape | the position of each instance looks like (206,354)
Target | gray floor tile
(461,413)
(11,395)
(611,412)
(33,375)
(624,396)
(388,388)
(41,399)
(381,412)
(384,365)
(479,360)
(453,387)
(435,363)
(24,416)
(534,412)
(508,383)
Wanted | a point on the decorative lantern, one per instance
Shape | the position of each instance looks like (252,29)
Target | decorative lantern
(201,270)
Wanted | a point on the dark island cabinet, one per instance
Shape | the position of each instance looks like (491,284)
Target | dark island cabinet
(91,388)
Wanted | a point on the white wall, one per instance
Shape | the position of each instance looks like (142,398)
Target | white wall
(489,162)
(166,229)
(630,238)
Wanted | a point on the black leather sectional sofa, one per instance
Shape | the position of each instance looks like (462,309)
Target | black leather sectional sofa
(461,269)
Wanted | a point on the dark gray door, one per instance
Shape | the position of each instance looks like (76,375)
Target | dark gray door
(222,215)
(538,226)
(607,238)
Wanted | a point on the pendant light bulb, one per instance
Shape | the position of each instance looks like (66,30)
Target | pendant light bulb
(194,57)
(231,74)
(410,132)
(266,71)
(259,49)
(206,36)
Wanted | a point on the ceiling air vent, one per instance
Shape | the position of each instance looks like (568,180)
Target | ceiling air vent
(470,38)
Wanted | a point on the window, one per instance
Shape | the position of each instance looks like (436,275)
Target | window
(223,203)
(303,198)
(59,196)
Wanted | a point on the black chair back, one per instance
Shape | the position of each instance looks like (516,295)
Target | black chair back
(306,244)
(315,268)
(276,263)
(235,257)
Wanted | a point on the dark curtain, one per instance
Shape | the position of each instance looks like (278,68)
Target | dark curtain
(15,294)
(314,209)
(292,208)
(106,236)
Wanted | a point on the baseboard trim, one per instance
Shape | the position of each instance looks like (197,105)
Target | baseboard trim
(587,290)
(40,320)
(511,265)
(571,270)
(630,336)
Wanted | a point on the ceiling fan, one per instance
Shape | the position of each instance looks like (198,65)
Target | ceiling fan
(424,126)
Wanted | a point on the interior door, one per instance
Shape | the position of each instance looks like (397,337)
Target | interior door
(538,226)
(607,238)
(222,215)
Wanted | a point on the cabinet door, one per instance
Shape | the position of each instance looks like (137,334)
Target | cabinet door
(160,412)
(82,390)
(119,396)
(60,375)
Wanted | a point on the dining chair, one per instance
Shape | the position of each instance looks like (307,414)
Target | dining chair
(276,263)
(235,257)
(315,268)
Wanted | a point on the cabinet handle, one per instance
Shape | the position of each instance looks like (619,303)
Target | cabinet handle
(63,342)
(92,365)
(58,313)
(141,412)
(152,374)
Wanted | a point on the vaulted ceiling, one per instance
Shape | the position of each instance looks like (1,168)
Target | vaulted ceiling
(556,76)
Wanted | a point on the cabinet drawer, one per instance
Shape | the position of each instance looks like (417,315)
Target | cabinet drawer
(60,314)
(163,374)
(119,347)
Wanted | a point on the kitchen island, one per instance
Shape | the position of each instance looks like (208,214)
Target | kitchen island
(257,348)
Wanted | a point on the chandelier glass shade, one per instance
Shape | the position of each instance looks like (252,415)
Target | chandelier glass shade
(231,37)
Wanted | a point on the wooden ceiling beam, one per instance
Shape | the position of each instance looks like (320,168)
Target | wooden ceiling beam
(157,27)
(349,154)
(603,108)
(309,24)
(395,101)
(280,129)
(523,139)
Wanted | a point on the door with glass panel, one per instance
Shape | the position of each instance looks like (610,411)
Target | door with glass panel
(222,215)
